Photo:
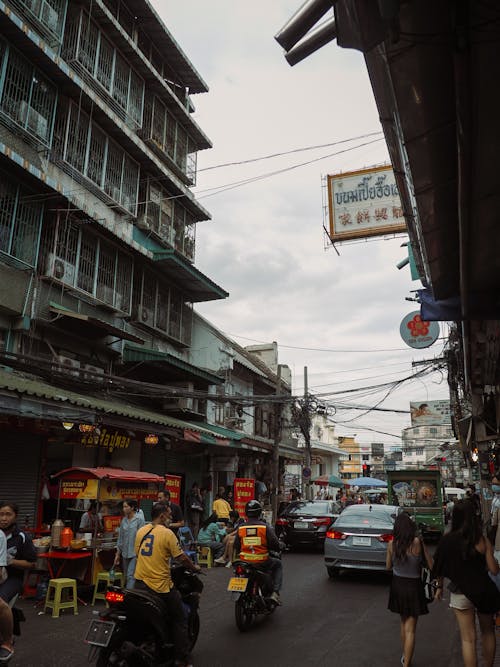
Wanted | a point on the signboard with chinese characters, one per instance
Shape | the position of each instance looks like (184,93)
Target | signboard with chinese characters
(418,333)
(364,203)
(243,491)
(431,413)
(173,484)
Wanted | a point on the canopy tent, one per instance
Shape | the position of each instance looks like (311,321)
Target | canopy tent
(328,480)
(372,482)
(114,474)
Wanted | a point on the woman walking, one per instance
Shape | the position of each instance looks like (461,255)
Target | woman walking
(465,557)
(405,555)
(129,526)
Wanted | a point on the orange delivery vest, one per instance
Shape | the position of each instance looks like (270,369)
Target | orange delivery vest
(253,543)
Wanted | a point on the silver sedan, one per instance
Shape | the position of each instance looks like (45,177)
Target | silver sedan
(358,538)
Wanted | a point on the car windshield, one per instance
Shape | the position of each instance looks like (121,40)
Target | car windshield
(362,517)
(314,509)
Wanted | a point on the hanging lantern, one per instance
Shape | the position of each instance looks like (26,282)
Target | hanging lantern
(151,439)
(86,428)
(67,425)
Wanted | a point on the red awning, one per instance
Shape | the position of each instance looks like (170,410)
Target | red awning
(113,473)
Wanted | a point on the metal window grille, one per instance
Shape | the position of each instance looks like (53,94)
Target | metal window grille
(94,155)
(175,315)
(47,15)
(27,98)
(92,54)
(162,308)
(20,222)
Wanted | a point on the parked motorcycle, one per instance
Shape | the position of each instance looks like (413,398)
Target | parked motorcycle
(134,631)
(251,588)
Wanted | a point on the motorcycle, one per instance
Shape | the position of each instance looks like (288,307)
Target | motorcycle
(134,630)
(251,588)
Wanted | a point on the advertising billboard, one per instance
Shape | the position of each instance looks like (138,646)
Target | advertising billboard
(430,413)
(364,203)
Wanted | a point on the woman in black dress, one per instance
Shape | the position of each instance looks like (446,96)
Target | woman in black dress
(406,598)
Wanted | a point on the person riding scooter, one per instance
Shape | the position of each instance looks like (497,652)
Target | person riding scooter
(254,541)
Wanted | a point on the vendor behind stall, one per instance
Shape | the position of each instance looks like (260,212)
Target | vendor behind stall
(91,521)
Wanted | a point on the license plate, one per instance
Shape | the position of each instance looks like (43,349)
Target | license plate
(361,541)
(237,584)
(100,633)
(300,524)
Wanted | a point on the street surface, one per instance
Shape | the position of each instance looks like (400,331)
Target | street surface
(322,622)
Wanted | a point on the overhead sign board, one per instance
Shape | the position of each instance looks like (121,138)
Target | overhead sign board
(364,203)
(418,333)
(435,413)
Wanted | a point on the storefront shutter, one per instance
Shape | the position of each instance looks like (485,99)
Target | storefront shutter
(20,473)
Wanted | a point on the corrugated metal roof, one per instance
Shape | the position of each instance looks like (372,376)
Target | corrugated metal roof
(22,384)
(133,353)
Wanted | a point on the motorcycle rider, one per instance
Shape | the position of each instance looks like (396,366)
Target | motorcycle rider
(155,544)
(254,540)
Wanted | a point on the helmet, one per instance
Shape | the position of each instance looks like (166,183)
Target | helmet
(253,509)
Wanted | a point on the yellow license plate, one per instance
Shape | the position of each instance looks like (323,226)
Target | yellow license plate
(237,584)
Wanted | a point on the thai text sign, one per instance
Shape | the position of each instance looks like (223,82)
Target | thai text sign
(243,491)
(124,490)
(79,488)
(106,439)
(173,484)
(364,203)
(432,413)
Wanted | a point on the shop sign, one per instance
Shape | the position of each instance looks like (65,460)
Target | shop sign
(418,333)
(105,439)
(243,491)
(364,203)
(173,484)
(79,488)
(123,490)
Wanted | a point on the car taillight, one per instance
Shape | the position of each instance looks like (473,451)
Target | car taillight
(386,537)
(281,522)
(114,597)
(335,535)
(324,521)
(239,570)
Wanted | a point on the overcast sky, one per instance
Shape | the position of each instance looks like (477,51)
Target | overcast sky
(265,244)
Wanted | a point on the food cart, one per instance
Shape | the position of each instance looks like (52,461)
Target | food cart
(109,486)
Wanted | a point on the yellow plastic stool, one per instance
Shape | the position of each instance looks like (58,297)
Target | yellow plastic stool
(103,578)
(57,590)
(205,556)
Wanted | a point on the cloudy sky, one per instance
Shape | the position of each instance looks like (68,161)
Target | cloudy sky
(337,315)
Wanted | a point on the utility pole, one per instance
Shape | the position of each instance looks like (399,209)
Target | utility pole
(276,448)
(306,433)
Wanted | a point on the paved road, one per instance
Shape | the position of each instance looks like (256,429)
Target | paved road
(322,622)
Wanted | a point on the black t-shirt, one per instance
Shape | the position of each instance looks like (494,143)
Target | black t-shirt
(177,515)
(20,547)
(467,571)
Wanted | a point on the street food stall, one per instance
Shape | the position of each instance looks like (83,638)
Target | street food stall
(109,487)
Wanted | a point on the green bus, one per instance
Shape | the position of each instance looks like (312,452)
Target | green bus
(420,493)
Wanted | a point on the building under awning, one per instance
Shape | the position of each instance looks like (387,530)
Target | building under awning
(93,327)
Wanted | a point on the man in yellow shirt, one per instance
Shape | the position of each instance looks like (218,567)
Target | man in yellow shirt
(221,507)
(155,544)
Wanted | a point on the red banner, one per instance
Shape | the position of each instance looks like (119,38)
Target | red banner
(243,491)
(173,484)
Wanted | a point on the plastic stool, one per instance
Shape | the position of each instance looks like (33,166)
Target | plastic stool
(103,578)
(205,556)
(31,582)
(55,594)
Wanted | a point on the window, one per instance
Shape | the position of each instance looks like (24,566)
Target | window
(419,451)
(86,148)
(27,98)
(47,15)
(20,221)
(88,50)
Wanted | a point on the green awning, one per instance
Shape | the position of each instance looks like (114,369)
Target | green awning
(212,435)
(135,354)
(93,327)
(47,395)
(196,285)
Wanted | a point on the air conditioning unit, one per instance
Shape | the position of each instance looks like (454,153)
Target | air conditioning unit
(106,294)
(68,365)
(145,222)
(49,16)
(32,120)
(60,269)
(92,373)
(141,314)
